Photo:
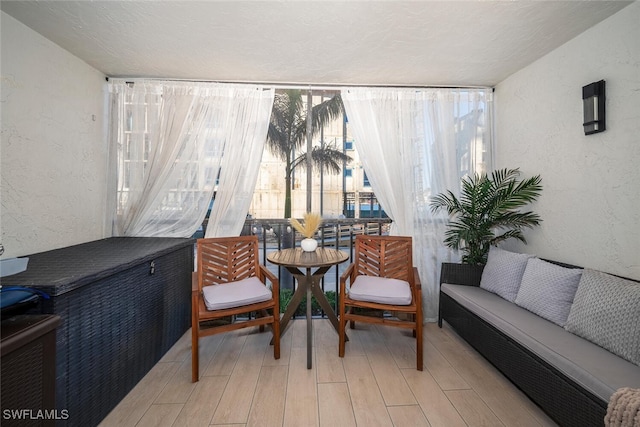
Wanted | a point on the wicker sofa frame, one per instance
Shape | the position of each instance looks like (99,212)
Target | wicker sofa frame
(565,401)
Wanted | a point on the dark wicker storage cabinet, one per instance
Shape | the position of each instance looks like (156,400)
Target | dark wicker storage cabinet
(123,302)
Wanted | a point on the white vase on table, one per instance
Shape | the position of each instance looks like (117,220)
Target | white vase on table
(308,244)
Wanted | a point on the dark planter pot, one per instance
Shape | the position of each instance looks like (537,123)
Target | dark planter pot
(458,274)
(461,274)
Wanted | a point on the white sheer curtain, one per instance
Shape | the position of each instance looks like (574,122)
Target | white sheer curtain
(413,144)
(168,141)
(246,132)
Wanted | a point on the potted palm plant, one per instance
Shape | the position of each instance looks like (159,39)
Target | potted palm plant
(488,212)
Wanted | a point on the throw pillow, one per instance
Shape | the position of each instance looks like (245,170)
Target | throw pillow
(548,290)
(503,272)
(606,311)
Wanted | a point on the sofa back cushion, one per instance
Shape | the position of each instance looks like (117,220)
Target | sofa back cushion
(548,290)
(503,272)
(606,311)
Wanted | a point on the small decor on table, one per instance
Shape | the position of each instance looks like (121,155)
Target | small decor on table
(311,224)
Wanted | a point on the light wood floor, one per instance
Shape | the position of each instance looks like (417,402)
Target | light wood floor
(375,384)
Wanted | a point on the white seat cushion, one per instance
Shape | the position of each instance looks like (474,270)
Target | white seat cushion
(382,290)
(235,294)
(592,367)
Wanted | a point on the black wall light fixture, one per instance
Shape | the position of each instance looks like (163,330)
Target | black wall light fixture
(593,97)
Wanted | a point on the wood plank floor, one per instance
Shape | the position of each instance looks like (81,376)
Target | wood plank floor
(375,384)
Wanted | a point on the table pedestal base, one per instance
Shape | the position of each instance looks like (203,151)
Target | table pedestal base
(309,284)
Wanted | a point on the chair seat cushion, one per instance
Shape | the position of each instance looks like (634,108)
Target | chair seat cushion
(382,290)
(235,294)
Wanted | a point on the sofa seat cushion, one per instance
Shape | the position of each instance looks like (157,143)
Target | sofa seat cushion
(589,365)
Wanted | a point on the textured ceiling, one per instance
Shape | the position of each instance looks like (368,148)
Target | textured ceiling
(312,42)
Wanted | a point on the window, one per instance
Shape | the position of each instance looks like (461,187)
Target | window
(365,180)
(329,184)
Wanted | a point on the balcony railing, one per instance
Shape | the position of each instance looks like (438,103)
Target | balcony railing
(275,234)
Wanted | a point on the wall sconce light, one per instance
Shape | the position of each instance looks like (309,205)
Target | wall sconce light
(593,97)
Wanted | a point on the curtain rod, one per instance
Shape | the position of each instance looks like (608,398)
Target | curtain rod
(330,87)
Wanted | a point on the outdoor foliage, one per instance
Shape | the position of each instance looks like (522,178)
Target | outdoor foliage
(287,135)
(287,294)
(487,212)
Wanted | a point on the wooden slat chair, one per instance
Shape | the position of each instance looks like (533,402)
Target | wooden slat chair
(382,278)
(229,281)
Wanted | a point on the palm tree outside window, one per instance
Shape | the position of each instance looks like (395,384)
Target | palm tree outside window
(287,136)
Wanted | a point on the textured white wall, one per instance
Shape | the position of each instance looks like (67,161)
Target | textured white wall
(53,152)
(591,198)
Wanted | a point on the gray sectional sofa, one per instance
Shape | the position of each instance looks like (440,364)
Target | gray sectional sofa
(567,337)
